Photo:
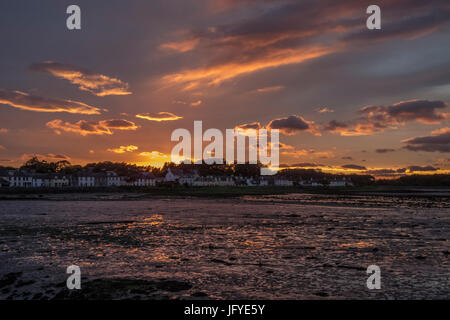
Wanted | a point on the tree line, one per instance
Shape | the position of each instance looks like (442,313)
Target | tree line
(244,170)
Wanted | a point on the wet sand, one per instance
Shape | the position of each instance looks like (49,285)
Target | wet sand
(265,247)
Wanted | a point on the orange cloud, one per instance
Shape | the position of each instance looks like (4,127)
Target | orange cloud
(160,116)
(95,83)
(85,128)
(25,101)
(219,73)
(325,110)
(270,89)
(286,149)
(248,126)
(358,129)
(123,149)
(3,130)
(181,46)
(196,103)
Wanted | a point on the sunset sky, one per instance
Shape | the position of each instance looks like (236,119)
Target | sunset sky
(345,98)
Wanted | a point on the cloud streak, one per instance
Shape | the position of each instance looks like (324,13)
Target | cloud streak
(216,74)
(25,101)
(249,126)
(288,32)
(353,167)
(85,128)
(86,80)
(384,150)
(159,117)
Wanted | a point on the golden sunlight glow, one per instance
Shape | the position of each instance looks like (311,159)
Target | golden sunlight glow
(123,149)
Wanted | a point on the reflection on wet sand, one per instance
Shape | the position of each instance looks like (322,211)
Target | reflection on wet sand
(266,247)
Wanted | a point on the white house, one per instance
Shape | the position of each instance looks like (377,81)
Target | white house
(337,183)
(112,179)
(20,180)
(37,181)
(177,175)
(171,176)
(146,179)
(213,181)
(3,182)
(84,180)
(55,180)
(283,182)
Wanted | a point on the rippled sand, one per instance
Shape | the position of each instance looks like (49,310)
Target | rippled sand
(283,247)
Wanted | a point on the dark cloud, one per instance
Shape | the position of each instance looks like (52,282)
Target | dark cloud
(292,124)
(335,126)
(438,141)
(281,33)
(375,119)
(421,169)
(307,165)
(384,150)
(409,27)
(383,172)
(347,158)
(353,166)
(413,110)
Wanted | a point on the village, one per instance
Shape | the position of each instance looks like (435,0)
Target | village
(29,178)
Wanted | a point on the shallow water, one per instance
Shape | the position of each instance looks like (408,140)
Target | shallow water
(250,248)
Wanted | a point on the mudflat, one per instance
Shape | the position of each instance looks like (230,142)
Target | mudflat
(293,246)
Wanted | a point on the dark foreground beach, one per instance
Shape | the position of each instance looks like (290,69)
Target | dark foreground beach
(293,246)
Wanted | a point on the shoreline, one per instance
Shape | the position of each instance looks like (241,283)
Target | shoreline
(235,191)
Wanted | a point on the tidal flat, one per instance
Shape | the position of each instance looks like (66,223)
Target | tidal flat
(293,246)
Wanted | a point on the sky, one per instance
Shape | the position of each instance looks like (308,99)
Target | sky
(345,98)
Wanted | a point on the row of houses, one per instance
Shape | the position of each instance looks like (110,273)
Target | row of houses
(192,178)
(29,179)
